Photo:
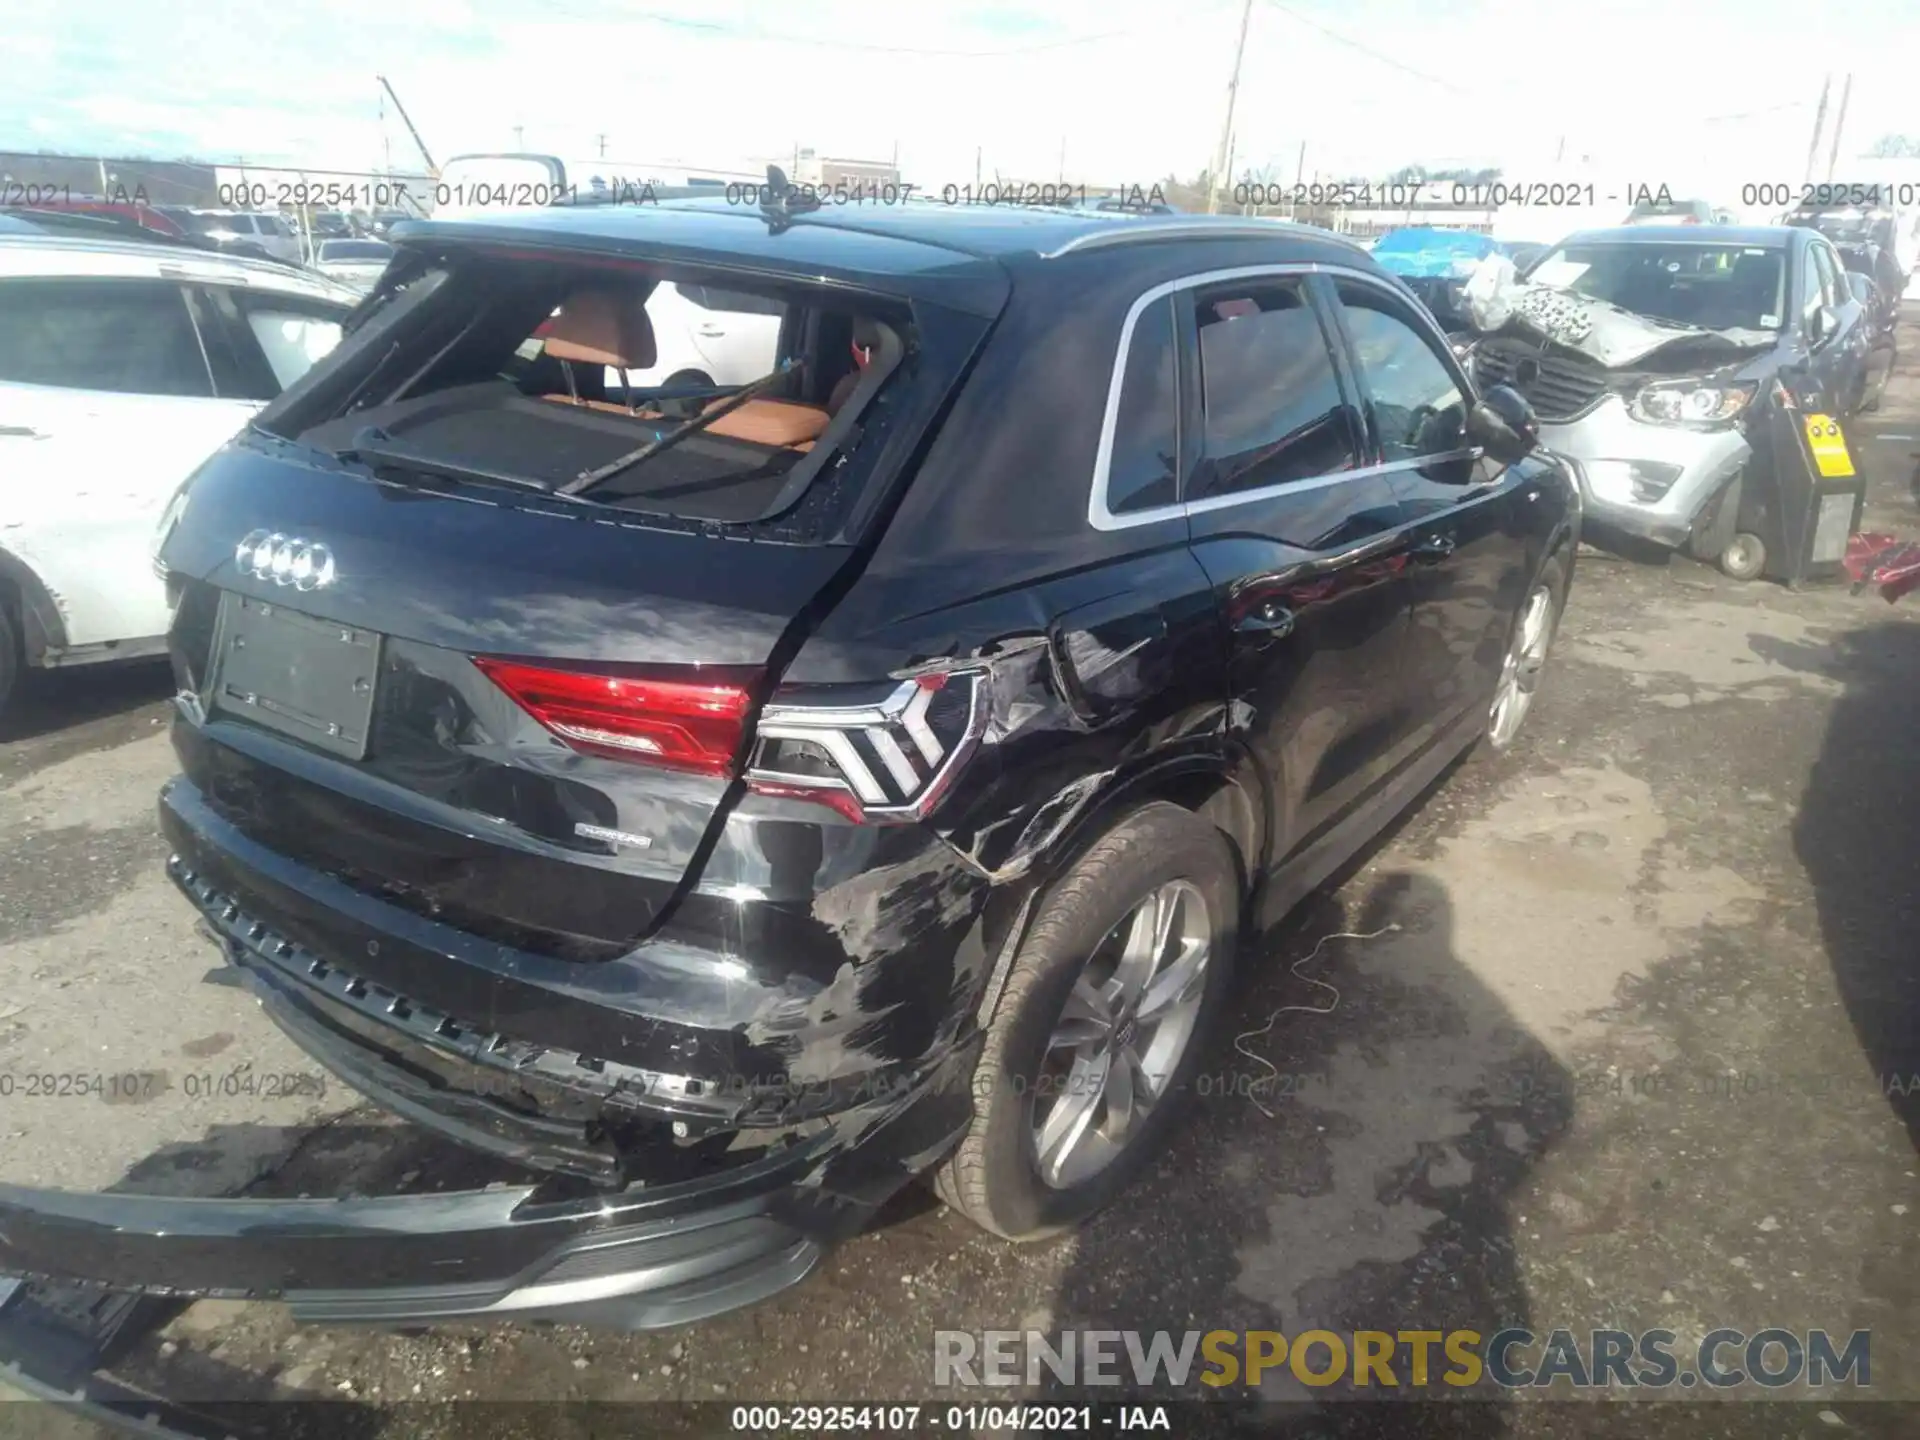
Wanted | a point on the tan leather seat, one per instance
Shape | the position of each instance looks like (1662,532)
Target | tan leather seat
(601,327)
(771,422)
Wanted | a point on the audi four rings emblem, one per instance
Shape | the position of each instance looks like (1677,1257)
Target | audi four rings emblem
(285,560)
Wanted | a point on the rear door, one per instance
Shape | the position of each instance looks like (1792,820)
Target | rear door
(1469,549)
(106,405)
(1305,541)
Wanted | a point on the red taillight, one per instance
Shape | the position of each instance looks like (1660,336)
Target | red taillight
(682,724)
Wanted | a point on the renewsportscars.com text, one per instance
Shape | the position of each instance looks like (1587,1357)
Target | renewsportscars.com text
(1510,1358)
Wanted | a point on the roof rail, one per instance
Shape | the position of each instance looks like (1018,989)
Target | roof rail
(1138,229)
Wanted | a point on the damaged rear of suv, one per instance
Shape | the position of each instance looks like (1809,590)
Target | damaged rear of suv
(730,802)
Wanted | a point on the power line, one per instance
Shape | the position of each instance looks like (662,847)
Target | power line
(1368,50)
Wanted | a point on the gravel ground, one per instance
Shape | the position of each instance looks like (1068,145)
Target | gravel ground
(1635,1055)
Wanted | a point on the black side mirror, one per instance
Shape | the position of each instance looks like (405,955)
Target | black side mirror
(1503,424)
(1819,325)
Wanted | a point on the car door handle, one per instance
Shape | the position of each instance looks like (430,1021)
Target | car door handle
(1270,620)
(1433,547)
(713,332)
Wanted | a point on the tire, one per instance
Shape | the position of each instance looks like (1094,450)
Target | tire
(10,656)
(1744,557)
(995,1177)
(1527,650)
(690,379)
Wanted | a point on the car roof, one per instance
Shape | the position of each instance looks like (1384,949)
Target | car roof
(50,256)
(1767,237)
(954,253)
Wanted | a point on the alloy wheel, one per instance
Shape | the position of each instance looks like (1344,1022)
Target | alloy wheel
(1121,1035)
(1520,672)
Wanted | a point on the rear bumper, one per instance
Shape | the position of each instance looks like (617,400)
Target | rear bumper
(641,1257)
(683,1243)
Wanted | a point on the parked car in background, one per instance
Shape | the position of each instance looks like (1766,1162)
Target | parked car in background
(354,263)
(381,221)
(707,336)
(125,214)
(1650,355)
(243,233)
(1868,241)
(1435,264)
(122,366)
(1675,212)
(332,225)
(732,816)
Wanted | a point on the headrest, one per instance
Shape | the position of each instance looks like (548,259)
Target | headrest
(603,327)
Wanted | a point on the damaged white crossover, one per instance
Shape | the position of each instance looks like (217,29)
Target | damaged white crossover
(123,365)
(1653,356)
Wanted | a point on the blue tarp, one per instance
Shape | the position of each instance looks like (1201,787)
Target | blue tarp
(1421,250)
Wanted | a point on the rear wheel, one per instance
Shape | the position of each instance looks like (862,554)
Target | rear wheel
(685,380)
(1744,557)
(1104,1016)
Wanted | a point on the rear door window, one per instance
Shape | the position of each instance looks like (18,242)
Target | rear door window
(259,344)
(1275,412)
(712,297)
(1143,465)
(129,337)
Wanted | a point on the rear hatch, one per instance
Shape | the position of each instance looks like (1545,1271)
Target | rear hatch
(410,660)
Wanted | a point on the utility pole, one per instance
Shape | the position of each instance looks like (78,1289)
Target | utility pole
(1299,176)
(976,167)
(1062,176)
(603,147)
(1819,124)
(1226,125)
(519,137)
(1229,170)
(1839,123)
(103,179)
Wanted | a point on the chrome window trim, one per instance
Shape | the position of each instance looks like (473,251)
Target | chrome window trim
(1139,229)
(1100,517)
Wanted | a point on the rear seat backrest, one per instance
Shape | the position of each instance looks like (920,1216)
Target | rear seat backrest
(603,327)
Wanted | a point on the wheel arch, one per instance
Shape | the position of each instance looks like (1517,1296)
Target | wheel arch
(1219,786)
(42,626)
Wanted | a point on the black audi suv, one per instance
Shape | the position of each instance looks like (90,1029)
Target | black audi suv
(732,802)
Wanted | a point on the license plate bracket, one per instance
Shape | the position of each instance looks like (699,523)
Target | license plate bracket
(302,676)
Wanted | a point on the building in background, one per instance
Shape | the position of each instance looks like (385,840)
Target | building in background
(33,175)
(830,170)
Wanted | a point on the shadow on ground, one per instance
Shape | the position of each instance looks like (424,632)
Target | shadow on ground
(56,700)
(1373,1197)
(1858,837)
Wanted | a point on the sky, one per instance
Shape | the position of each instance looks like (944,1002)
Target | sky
(1711,94)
